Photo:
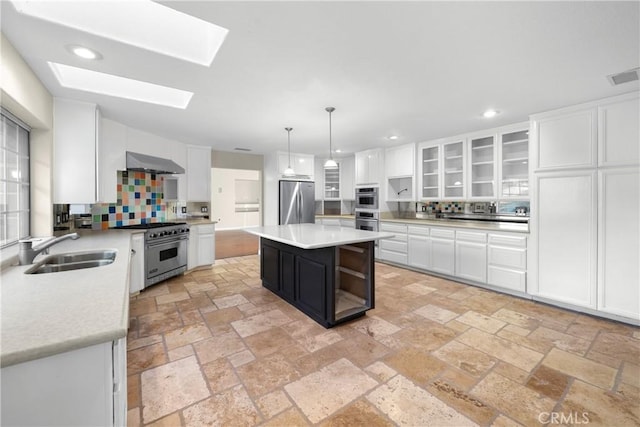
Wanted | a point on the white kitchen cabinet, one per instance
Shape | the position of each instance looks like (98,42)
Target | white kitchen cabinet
(347,222)
(619,132)
(418,247)
(471,255)
(201,248)
(82,387)
(443,250)
(198,172)
(302,164)
(394,249)
(585,207)
(429,171)
(507,261)
(75,133)
(368,167)
(482,167)
(400,161)
(564,221)
(454,172)
(335,222)
(347,188)
(513,170)
(399,172)
(565,140)
(111,158)
(136,270)
(319,180)
(331,183)
(619,242)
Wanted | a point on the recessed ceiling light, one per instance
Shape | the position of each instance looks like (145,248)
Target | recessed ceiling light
(489,113)
(142,23)
(122,87)
(393,137)
(83,52)
(338,150)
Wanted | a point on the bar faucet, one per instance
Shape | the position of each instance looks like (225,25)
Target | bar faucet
(27,253)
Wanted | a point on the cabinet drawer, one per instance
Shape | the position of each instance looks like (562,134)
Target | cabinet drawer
(471,236)
(393,256)
(349,223)
(511,241)
(393,228)
(443,233)
(508,257)
(393,245)
(205,228)
(420,230)
(506,278)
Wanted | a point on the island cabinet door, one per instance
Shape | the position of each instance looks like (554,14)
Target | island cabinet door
(311,284)
(269,268)
(287,275)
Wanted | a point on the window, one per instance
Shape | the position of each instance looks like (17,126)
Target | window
(14,180)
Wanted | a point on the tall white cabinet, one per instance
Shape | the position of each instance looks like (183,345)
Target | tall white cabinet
(585,219)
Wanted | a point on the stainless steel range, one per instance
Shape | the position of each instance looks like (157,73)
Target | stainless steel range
(165,254)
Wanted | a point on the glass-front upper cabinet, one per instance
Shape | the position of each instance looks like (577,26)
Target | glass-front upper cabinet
(453,169)
(483,167)
(515,164)
(430,179)
(332,183)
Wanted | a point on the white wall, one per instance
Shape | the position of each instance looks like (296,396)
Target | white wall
(223,197)
(26,97)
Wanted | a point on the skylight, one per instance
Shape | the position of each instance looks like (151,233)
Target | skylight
(108,84)
(141,23)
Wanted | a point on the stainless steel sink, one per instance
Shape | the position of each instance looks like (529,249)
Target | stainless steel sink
(73,261)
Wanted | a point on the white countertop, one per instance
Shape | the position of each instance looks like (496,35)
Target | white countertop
(457,223)
(47,314)
(314,236)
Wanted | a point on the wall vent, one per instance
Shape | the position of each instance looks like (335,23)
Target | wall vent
(624,77)
(242,149)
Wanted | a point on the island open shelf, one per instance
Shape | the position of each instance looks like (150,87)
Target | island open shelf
(326,272)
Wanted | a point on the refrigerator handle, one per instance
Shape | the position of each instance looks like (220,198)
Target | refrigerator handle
(300,205)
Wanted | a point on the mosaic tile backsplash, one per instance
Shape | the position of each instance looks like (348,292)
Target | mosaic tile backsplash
(139,202)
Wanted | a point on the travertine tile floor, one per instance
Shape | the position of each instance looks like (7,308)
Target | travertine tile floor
(215,348)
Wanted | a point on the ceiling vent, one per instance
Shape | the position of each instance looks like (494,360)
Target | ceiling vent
(242,149)
(624,77)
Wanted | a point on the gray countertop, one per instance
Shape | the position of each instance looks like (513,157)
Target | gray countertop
(313,236)
(47,314)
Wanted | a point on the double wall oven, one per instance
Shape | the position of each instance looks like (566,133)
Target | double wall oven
(367,212)
(165,250)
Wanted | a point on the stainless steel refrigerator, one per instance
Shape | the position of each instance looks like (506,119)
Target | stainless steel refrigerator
(297,202)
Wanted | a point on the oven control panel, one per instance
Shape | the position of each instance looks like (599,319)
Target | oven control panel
(169,231)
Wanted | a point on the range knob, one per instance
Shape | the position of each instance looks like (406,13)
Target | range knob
(152,235)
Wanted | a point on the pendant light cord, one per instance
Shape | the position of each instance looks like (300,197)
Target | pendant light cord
(289,145)
(330,110)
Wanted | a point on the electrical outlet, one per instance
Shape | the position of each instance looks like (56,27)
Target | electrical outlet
(184,209)
(204,209)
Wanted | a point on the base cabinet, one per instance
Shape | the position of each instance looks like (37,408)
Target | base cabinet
(443,250)
(136,271)
(330,285)
(84,387)
(619,242)
(471,256)
(202,245)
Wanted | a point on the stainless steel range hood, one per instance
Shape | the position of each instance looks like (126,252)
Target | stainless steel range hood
(145,163)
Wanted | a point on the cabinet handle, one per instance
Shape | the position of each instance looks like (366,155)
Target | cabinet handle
(133,251)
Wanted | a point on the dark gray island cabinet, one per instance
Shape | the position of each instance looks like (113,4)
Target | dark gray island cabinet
(326,272)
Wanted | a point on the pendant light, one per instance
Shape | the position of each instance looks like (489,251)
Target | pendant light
(330,164)
(289,171)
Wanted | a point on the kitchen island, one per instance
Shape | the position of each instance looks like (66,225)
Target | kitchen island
(327,272)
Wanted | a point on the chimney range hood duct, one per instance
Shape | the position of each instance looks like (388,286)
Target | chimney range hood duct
(145,163)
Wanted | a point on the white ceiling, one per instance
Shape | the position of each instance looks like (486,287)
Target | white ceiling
(419,70)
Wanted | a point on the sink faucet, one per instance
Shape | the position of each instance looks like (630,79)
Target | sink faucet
(27,253)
